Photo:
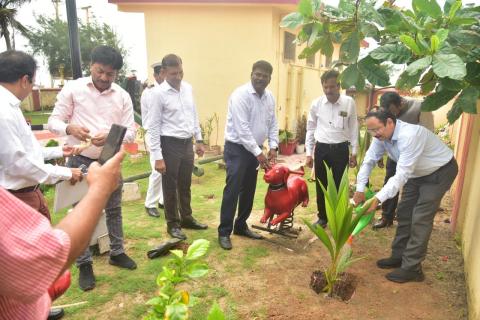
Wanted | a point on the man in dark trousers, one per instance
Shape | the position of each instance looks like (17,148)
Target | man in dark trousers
(407,110)
(173,125)
(426,169)
(331,127)
(250,121)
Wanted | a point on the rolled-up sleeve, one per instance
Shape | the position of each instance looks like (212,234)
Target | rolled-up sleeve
(33,254)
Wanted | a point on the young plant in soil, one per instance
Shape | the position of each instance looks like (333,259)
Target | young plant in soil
(341,223)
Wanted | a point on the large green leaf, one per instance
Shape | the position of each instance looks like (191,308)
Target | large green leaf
(196,270)
(322,235)
(449,65)
(292,20)
(419,65)
(176,311)
(464,37)
(311,50)
(350,48)
(454,113)
(373,72)
(427,7)
(197,249)
(467,100)
(305,8)
(450,84)
(215,312)
(410,43)
(349,76)
(437,100)
(407,81)
(396,53)
(473,73)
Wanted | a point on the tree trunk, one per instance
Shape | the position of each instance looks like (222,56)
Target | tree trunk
(6,34)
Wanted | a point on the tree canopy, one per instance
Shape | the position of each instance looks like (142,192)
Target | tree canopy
(8,11)
(50,39)
(439,47)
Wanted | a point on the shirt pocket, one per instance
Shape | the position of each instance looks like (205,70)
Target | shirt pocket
(339,122)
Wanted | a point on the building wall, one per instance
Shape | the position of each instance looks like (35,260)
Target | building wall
(468,220)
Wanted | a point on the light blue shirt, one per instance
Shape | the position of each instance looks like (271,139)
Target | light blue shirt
(172,113)
(251,119)
(417,151)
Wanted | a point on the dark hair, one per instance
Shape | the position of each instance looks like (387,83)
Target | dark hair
(16,64)
(263,65)
(171,60)
(389,98)
(381,114)
(157,69)
(330,74)
(107,56)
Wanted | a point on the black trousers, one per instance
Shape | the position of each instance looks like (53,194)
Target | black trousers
(177,180)
(390,206)
(240,186)
(335,156)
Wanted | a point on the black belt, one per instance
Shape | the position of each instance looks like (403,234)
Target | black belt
(226,141)
(178,140)
(25,190)
(333,145)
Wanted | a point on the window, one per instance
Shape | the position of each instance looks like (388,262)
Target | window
(311,61)
(288,46)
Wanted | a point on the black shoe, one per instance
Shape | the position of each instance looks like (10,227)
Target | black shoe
(86,278)
(225,242)
(152,212)
(177,233)
(389,263)
(161,206)
(193,224)
(400,275)
(383,223)
(321,222)
(164,248)
(56,313)
(123,261)
(248,233)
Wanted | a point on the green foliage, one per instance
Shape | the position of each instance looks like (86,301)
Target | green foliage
(341,223)
(301,129)
(50,39)
(436,44)
(285,136)
(171,303)
(8,12)
(207,128)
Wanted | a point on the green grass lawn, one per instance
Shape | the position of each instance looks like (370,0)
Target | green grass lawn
(37,117)
(121,294)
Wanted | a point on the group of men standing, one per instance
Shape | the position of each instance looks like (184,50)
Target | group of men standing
(87,107)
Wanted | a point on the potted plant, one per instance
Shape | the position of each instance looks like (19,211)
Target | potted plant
(301,133)
(287,142)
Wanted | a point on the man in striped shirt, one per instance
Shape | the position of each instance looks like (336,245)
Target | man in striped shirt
(33,254)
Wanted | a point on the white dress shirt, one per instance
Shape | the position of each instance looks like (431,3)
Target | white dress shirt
(80,103)
(332,123)
(21,155)
(173,113)
(145,104)
(417,151)
(251,119)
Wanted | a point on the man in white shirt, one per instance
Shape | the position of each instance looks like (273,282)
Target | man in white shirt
(426,169)
(173,124)
(22,166)
(408,110)
(331,126)
(154,191)
(250,121)
(85,109)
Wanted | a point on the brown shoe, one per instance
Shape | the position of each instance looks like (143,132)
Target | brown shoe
(383,223)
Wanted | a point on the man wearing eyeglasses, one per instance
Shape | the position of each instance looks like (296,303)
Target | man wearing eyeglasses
(331,127)
(85,110)
(426,169)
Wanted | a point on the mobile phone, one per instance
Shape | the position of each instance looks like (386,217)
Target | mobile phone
(113,142)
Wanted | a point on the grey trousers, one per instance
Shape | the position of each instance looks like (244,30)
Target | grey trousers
(415,213)
(113,211)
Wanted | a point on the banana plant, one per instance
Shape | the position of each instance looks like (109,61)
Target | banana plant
(341,223)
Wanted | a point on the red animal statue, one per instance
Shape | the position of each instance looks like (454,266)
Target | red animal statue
(286,190)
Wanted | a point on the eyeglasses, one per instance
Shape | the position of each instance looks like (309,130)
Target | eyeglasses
(375,130)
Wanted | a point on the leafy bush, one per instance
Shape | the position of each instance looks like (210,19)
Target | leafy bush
(301,130)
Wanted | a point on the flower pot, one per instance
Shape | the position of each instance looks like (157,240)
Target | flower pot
(300,148)
(287,148)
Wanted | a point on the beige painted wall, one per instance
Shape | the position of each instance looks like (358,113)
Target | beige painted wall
(469,218)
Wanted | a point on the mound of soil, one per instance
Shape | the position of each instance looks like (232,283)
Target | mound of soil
(344,288)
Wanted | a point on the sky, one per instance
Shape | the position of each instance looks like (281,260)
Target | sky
(132,34)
